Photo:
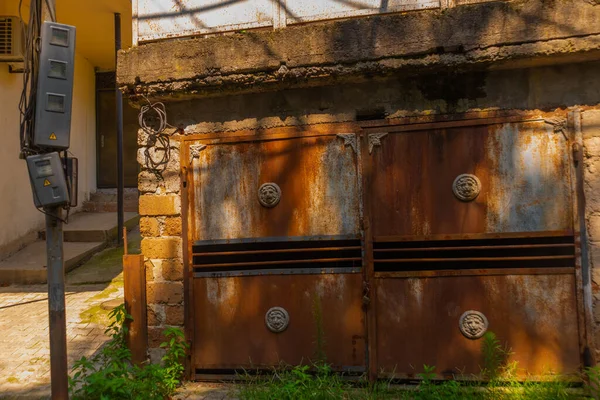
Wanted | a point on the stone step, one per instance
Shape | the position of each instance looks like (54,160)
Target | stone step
(94,226)
(105,200)
(28,266)
(94,206)
(110,195)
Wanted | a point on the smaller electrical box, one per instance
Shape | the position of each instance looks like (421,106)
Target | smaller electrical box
(48,181)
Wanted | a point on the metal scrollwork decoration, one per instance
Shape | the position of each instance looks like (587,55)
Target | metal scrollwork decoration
(269,194)
(473,324)
(375,140)
(277,319)
(466,187)
(195,150)
(349,140)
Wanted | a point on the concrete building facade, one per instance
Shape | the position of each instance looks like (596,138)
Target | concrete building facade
(529,66)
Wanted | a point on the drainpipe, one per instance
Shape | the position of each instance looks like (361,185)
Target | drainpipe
(119,104)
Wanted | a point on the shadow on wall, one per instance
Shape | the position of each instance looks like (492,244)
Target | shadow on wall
(440,93)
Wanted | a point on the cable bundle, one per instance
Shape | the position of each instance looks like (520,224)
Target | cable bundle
(157,138)
(30,76)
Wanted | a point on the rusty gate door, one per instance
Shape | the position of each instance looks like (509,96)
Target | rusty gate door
(472,231)
(275,252)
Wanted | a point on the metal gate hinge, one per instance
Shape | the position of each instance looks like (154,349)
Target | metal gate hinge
(184,176)
(576,148)
(366,300)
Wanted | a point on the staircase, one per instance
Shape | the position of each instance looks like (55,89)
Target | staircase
(105,200)
(86,234)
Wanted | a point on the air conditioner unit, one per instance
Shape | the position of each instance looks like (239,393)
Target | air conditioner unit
(12,41)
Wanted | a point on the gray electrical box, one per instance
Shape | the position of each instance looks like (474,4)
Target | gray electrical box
(47,180)
(54,96)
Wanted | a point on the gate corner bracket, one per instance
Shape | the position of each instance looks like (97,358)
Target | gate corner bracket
(349,140)
(195,150)
(375,140)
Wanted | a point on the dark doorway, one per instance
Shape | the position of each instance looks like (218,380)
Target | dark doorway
(106,135)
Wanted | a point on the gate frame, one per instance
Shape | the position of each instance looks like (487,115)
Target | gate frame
(565,123)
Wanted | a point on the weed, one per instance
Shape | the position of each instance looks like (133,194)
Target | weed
(495,356)
(503,383)
(295,383)
(593,378)
(111,375)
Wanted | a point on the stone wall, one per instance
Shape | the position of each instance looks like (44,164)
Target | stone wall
(502,33)
(160,226)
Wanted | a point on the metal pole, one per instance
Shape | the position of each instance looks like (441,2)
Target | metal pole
(56,304)
(57,320)
(120,173)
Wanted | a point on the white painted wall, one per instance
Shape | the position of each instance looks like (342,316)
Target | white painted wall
(160,19)
(17,213)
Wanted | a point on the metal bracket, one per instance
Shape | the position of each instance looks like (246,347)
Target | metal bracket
(349,140)
(375,140)
(195,150)
(559,124)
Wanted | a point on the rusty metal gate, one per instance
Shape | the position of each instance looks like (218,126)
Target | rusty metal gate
(276,253)
(383,248)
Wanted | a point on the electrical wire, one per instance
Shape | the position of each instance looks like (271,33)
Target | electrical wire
(158,140)
(51,11)
(30,76)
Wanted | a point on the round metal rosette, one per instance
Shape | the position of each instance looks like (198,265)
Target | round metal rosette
(277,319)
(473,324)
(466,187)
(269,194)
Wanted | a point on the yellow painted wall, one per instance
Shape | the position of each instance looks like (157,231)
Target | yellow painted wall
(95,49)
(17,213)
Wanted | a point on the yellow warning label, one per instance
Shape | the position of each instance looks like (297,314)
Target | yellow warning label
(52,136)
(47,182)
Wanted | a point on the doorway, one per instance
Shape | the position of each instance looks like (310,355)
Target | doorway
(106,135)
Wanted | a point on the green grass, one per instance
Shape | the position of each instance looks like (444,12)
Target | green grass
(499,380)
(303,382)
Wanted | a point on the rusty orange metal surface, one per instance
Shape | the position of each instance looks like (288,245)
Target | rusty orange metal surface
(523,169)
(534,315)
(318,178)
(525,194)
(427,256)
(230,329)
(319,181)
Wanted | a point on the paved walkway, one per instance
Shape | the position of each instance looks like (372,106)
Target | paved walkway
(24,343)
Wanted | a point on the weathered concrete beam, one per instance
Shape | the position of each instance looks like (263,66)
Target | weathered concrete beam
(485,35)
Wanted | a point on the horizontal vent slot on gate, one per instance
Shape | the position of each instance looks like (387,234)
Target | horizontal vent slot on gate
(486,253)
(258,257)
